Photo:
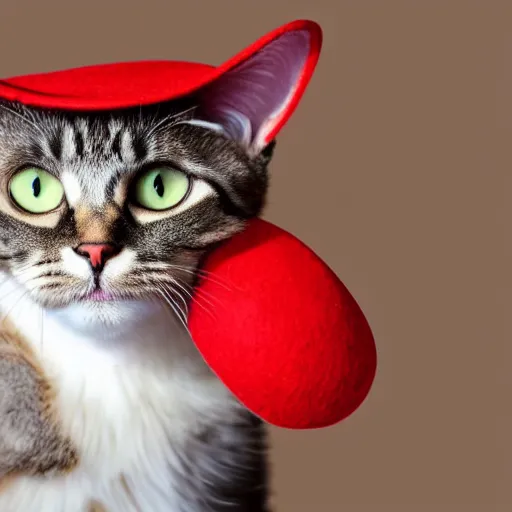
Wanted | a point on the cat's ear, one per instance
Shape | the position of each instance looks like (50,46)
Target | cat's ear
(254,99)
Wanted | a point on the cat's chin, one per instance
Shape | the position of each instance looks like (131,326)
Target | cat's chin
(107,319)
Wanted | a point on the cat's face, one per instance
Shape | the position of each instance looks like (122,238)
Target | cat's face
(98,212)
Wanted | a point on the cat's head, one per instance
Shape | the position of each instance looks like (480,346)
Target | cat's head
(103,211)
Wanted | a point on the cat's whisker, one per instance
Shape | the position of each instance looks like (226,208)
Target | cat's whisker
(41,282)
(171,282)
(192,297)
(206,275)
(174,307)
(182,314)
(195,296)
(42,329)
(173,291)
(33,284)
(25,119)
(9,293)
(37,267)
(23,267)
(195,291)
(162,291)
(171,313)
(175,282)
(168,119)
(188,270)
(9,312)
(203,273)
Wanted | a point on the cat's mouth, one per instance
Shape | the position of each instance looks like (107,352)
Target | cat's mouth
(99,296)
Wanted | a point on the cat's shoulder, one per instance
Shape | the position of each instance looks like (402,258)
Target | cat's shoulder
(31,441)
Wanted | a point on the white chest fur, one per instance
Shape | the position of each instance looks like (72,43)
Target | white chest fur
(129,396)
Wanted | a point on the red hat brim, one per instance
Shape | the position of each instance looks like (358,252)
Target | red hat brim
(140,83)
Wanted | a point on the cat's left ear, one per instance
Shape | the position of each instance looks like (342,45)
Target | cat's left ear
(253,100)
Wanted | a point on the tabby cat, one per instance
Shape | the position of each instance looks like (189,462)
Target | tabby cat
(105,404)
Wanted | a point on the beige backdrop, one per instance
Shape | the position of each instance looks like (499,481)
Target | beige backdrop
(393,169)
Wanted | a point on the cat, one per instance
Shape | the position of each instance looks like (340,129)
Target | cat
(105,218)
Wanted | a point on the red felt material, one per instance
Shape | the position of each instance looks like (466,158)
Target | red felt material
(281,330)
(131,84)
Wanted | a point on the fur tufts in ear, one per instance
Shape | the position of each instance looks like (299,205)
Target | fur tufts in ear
(251,98)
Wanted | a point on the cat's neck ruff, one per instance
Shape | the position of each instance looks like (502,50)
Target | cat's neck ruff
(138,333)
(130,399)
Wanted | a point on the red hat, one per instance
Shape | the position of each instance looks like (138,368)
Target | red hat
(289,340)
(134,84)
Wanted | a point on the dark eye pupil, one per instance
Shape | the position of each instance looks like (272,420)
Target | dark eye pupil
(36,187)
(159,185)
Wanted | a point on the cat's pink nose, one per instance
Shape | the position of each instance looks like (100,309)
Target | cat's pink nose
(97,254)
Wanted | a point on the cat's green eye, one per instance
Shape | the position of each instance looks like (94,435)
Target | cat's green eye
(35,190)
(161,188)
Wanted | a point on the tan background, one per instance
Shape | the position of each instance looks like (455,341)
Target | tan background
(393,169)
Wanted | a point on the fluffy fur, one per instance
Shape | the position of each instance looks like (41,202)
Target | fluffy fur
(118,399)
